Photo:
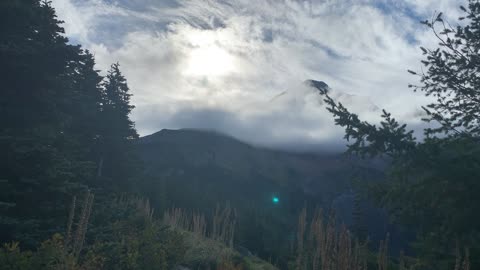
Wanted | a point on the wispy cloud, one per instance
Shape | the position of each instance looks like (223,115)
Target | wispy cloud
(217,64)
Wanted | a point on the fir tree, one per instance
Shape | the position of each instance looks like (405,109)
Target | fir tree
(86,107)
(433,185)
(116,161)
(49,92)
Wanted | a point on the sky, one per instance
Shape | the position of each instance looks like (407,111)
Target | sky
(238,66)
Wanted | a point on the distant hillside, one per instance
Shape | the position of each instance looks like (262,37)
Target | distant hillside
(181,150)
(196,169)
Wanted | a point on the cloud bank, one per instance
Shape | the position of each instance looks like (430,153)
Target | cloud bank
(219,64)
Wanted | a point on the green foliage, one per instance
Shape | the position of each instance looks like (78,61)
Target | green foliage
(49,256)
(117,107)
(117,132)
(389,138)
(129,237)
(41,165)
(129,241)
(433,184)
(451,77)
(12,258)
(61,123)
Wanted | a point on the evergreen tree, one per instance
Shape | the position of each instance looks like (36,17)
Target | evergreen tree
(433,185)
(117,106)
(49,93)
(34,54)
(116,162)
(86,107)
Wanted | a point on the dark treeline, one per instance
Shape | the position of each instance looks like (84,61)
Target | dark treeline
(65,128)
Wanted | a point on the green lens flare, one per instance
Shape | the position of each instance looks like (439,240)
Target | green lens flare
(275,200)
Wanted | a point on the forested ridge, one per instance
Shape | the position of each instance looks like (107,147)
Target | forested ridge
(80,190)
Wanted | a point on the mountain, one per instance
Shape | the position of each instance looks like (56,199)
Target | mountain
(198,169)
(179,151)
(361,103)
(317,84)
(310,89)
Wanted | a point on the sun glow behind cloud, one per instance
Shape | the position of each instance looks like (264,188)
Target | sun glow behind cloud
(216,64)
(207,56)
(209,61)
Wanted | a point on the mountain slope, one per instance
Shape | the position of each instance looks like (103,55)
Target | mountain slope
(195,169)
(179,150)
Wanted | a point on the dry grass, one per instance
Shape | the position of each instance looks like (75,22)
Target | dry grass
(72,244)
(177,218)
(222,224)
(324,247)
(462,261)
(382,258)
(144,208)
(81,228)
(141,204)
(223,227)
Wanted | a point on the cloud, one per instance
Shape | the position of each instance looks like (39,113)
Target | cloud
(218,64)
